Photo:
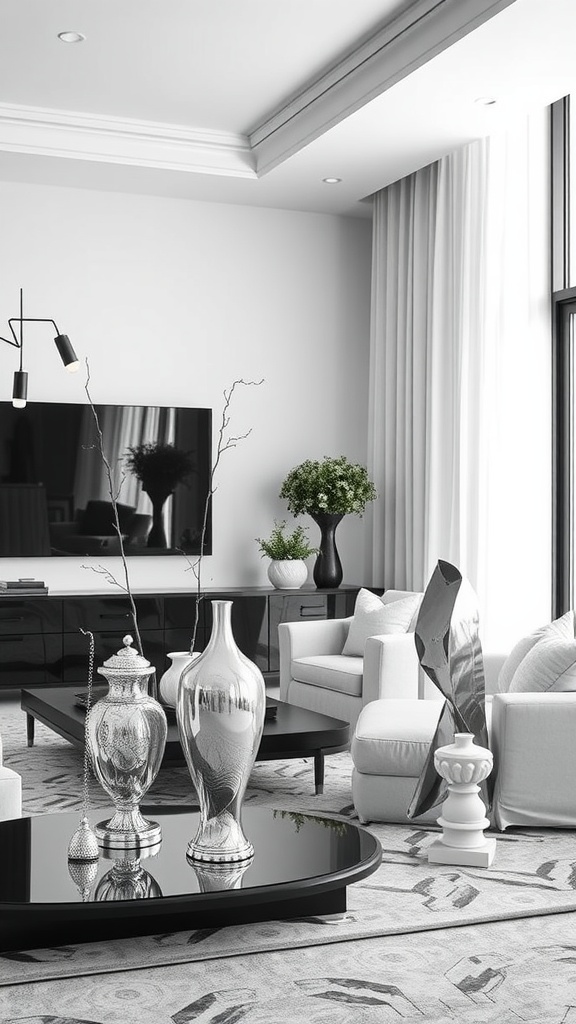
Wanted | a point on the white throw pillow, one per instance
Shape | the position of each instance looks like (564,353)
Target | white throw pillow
(546,660)
(516,657)
(562,627)
(372,618)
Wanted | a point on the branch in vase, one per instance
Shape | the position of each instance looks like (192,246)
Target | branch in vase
(113,493)
(224,444)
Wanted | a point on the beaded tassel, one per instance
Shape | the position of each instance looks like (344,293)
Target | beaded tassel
(83,845)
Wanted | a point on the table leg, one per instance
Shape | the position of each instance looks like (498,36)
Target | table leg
(30,729)
(319,771)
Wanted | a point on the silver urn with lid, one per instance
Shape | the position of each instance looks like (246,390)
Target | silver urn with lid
(126,735)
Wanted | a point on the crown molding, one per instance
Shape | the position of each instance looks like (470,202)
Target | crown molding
(400,47)
(78,136)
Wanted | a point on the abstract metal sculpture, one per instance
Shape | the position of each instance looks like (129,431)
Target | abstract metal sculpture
(450,653)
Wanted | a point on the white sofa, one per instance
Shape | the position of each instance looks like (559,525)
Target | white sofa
(10,792)
(314,674)
(393,711)
(532,738)
(530,734)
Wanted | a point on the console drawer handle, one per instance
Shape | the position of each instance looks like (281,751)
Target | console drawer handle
(113,615)
(13,618)
(309,611)
(11,639)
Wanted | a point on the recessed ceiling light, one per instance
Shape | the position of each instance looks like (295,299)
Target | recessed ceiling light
(485,101)
(71,37)
(331,181)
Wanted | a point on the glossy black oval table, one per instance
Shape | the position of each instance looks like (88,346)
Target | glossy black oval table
(301,867)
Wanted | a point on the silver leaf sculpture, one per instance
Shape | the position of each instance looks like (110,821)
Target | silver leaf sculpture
(450,653)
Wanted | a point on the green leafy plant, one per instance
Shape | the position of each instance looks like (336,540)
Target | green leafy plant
(333,485)
(284,547)
(156,463)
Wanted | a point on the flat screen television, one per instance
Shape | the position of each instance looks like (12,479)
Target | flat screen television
(54,491)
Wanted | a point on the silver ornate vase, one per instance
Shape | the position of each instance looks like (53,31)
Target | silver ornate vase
(126,737)
(220,713)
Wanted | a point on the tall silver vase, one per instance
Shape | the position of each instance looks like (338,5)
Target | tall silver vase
(220,713)
(126,738)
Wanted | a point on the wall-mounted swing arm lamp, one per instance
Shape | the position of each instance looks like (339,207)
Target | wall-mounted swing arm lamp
(62,341)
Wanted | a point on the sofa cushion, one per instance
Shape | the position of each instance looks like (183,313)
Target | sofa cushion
(543,660)
(331,672)
(373,617)
(393,736)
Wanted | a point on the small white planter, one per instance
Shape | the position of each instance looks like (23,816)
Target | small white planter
(288,574)
(168,686)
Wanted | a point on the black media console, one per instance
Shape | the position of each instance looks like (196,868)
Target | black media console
(41,640)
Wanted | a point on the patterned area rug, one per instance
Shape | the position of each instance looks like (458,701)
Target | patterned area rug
(534,873)
(509,973)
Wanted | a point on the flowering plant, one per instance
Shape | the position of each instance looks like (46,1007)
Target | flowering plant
(333,485)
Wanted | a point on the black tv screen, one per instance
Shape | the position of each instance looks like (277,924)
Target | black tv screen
(54,490)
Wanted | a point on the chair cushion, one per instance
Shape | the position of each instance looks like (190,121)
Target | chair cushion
(393,736)
(331,672)
(543,661)
(373,617)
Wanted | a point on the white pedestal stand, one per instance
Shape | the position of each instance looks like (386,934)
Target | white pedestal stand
(463,764)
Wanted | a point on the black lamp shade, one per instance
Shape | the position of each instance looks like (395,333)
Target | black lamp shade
(67,353)
(20,389)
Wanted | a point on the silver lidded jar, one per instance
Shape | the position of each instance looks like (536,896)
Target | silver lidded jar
(126,739)
(220,712)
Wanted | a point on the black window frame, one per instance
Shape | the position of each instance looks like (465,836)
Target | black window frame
(563,391)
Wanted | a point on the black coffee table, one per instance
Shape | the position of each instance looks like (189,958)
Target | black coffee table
(301,867)
(295,732)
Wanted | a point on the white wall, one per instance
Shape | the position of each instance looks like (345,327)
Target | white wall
(171,301)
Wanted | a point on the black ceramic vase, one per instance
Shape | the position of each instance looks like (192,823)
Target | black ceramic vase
(328,567)
(158,496)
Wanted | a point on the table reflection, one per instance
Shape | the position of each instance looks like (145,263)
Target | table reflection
(216,877)
(127,879)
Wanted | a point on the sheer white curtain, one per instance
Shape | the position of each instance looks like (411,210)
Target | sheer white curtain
(459,416)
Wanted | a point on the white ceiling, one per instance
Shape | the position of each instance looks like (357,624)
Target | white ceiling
(255,101)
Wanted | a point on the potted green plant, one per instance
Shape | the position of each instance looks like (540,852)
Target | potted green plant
(160,467)
(327,490)
(287,551)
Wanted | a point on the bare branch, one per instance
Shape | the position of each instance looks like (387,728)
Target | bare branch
(223,445)
(113,498)
(103,571)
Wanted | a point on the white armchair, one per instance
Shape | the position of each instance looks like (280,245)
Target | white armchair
(10,792)
(314,674)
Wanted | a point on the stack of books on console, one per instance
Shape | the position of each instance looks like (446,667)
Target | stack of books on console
(22,587)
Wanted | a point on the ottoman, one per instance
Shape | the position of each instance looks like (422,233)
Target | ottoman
(389,747)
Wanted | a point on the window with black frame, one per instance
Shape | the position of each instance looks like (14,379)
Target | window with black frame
(564,362)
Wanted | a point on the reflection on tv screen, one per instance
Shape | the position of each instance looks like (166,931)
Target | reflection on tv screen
(54,487)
